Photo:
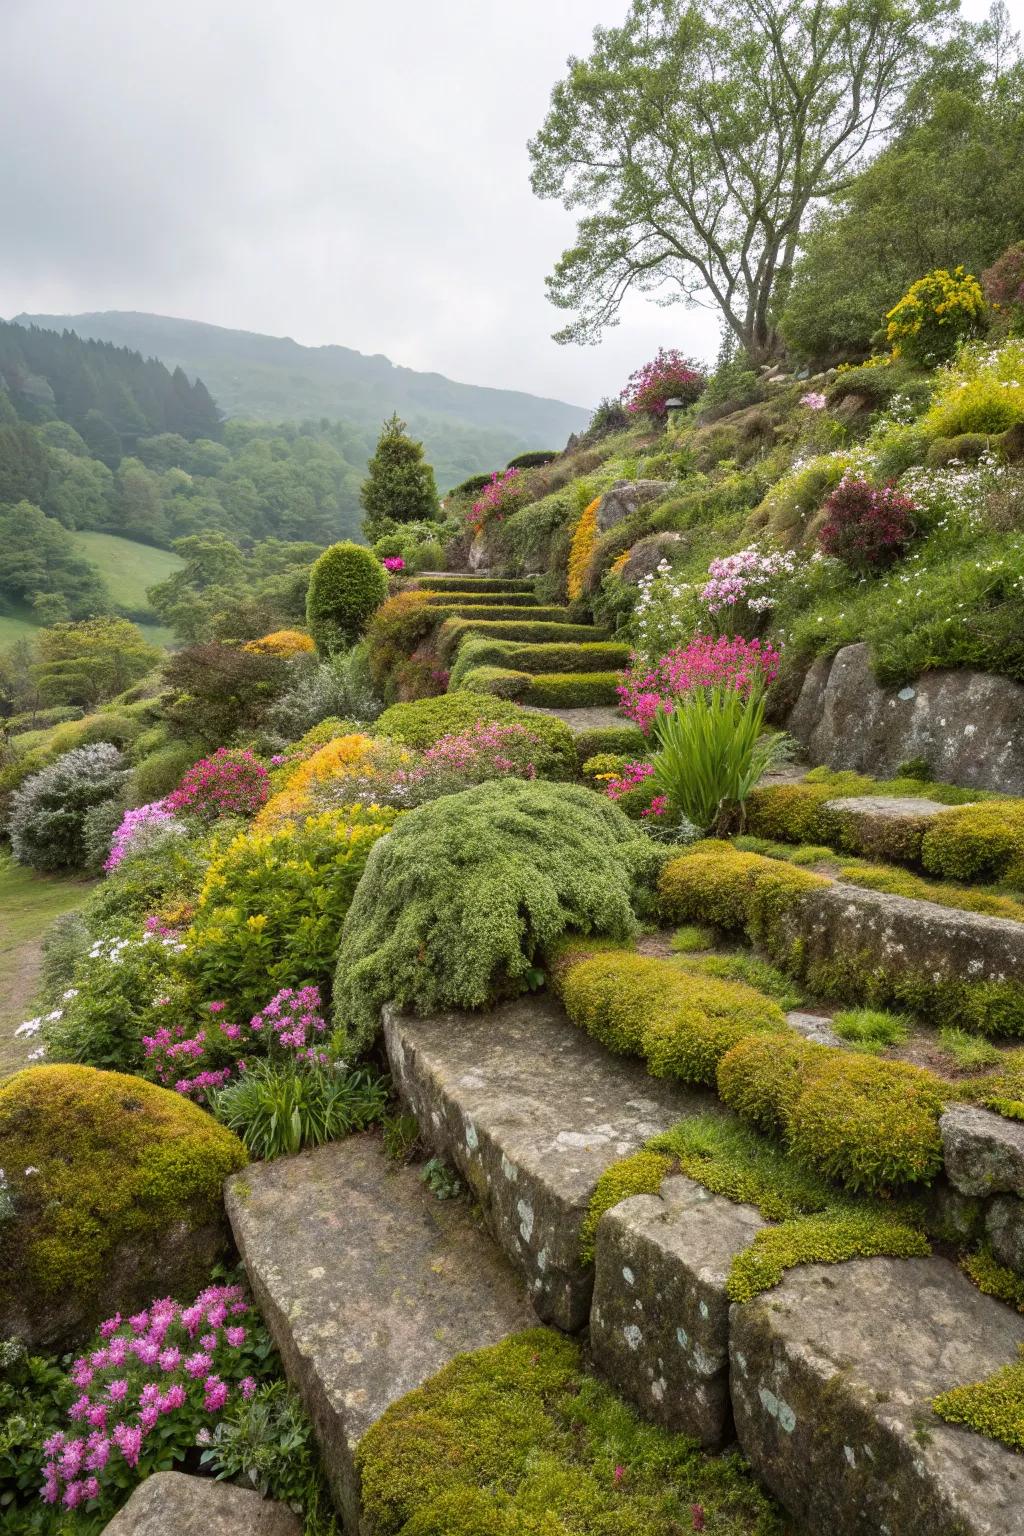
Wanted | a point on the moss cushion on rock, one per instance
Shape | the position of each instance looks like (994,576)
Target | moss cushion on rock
(116,1192)
(519,1440)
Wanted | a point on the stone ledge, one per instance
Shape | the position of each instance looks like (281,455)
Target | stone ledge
(532,1112)
(368,1286)
(659,1325)
(175,1504)
(831,1376)
(984,1153)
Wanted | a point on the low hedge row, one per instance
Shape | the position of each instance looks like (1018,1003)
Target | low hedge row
(437,583)
(774,905)
(597,656)
(620,740)
(515,600)
(866,1123)
(454,631)
(422,723)
(548,690)
(500,611)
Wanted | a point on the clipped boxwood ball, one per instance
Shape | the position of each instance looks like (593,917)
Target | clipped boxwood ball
(346,585)
(113,1196)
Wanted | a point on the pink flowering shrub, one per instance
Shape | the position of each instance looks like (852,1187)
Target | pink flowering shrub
(153,1386)
(393,564)
(866,528)
(192,1062)
(668,376)
(140,827)
(230,783)
(704,663)
(463,758)
(813,400)
(506,491)
(742,587)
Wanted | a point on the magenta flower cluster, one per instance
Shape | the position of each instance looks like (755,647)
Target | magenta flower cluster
(747,578)
(142,817)
(292,1023)
(168,1359)
(504,491)
(668,376)
(634,776)
(394,564)
(704,663)
(230,783)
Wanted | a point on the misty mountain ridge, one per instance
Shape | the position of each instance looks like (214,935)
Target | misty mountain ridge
(466,428)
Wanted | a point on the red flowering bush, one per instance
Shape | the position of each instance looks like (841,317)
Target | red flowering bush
(704,663)
(152,1388)
(230,783)
(866,528)
(668,376)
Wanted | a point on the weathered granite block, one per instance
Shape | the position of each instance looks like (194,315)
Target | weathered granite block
(967,726)
(368,1285)
(659,1325)
(532,1112)
(885,826)
(984,1153)
(832,1374)
(1004,1228)
(174,1504)
(899,936)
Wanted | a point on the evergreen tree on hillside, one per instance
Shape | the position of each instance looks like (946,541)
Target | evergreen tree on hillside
(399,485)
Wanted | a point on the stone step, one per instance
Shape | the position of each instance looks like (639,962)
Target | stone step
(832,1374)
(659,1325)
(532,1112)
(885,826)
(463,581)
(595,718)
(368,1284)
(176,1504)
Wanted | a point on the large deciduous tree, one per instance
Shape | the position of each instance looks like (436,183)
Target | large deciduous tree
(699,136)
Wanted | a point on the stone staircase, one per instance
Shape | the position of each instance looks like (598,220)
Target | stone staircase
(369,1285)
(561,668)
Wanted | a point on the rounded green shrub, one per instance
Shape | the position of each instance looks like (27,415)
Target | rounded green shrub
(977,842)
(116,1192)
(716,883)
(622,740)
(501,682)
(155,775)
(48,812)
(346,585)
(458,905)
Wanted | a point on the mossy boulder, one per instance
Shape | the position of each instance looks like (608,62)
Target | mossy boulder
(115,1190)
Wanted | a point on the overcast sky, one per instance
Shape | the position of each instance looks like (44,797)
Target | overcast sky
(332,170)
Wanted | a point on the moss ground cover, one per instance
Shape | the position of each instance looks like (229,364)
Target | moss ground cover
(519,1439)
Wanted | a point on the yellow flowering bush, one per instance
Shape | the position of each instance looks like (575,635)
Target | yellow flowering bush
(583,541)
(282,642)
(272,907)
(935,315)
(343,770)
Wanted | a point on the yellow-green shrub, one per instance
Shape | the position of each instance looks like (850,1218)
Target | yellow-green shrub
(983,391)
(761,1078)
(978,842)
(716,883)
(993,1407)
(271,910)
(681,1023)
(98,1162)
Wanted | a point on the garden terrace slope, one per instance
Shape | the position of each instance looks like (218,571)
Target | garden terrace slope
(532,1113)
(367,1284)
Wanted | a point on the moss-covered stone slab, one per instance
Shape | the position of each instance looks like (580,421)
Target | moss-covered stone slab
(174,1504)
(885,827)
(368,1285)
(815,1027)
(913,952)
(659,1324)
(984,1153)
(832,1374)
(532,1113)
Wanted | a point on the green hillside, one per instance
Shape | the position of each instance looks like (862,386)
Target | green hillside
(466,429)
